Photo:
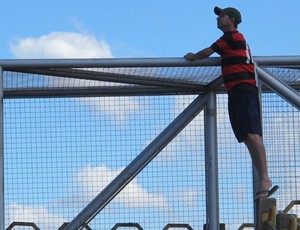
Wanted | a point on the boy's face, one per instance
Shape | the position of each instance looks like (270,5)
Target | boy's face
(224,22)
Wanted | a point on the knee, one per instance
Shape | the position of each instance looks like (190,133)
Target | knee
(251,137)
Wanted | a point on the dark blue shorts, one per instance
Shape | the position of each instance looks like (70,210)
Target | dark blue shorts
(244,114)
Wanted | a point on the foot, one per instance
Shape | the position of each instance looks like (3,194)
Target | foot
(264,184)
(266,193)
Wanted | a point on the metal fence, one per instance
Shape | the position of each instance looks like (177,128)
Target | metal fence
(72,126)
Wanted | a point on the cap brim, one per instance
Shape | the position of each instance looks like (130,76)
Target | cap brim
(217,10)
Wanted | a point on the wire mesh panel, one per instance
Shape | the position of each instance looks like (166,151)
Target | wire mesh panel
(281,123)
(60,153)
(282,135)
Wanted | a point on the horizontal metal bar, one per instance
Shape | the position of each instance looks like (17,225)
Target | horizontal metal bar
(105,62)
(97,92)
(137,62)
(113,77)
(277,60)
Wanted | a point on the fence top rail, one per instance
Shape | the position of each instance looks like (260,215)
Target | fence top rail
(128,76)
(138,62)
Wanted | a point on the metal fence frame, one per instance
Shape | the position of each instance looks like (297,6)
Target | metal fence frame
(206,101)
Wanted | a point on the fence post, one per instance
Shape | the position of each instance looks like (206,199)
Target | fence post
(2,213)
(211,163)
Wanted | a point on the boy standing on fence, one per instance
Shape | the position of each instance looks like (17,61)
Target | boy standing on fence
(238,74)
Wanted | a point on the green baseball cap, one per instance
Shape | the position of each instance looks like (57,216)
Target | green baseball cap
(231,12)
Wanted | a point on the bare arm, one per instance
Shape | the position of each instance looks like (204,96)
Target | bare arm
(202,54)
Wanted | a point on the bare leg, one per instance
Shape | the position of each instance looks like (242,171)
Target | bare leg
(257,151)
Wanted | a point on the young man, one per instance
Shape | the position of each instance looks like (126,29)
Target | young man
(238,74)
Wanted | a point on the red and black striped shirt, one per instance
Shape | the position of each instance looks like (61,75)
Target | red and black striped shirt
(237,63)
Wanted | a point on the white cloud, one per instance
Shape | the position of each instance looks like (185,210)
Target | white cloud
(93,180)
(34,214)
(61,45)
(118,108)
(188,197)
(76,45)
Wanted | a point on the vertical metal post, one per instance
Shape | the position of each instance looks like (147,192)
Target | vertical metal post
(2,224)
(254,171)
(211,163)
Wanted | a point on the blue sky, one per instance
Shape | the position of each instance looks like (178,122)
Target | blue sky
(121,29)
(143,28)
